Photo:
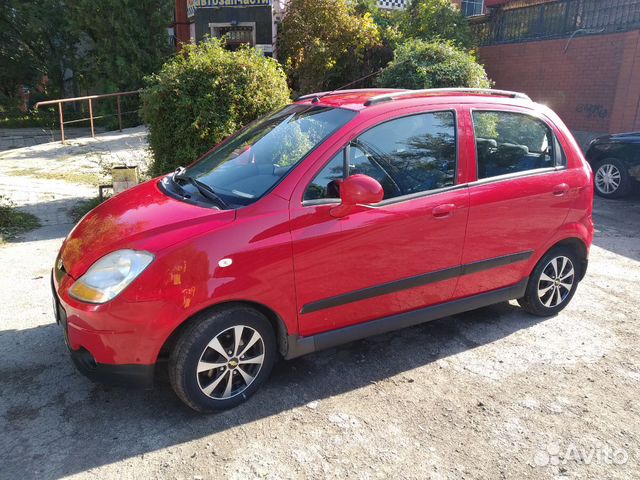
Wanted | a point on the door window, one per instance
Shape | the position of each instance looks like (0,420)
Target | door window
(326,185)
(418,151)
(508,142)
(407,155)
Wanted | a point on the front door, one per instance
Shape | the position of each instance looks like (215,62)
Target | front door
(399,255)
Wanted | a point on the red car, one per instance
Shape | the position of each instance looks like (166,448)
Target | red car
(343,215)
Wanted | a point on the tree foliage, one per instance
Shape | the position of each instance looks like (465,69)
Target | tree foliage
(121,41)
(204,94)
(101,46)
(324,44)
(436,20)
(36,42)
(421,64)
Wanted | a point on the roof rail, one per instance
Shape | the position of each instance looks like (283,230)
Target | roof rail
(387,97)
(352,90)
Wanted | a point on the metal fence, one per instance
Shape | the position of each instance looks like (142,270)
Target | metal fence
(554,19)
(90,99)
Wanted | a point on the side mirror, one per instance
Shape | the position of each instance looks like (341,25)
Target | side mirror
(357,190)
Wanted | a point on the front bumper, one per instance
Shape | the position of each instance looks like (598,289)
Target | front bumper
(139,376)
(86,347)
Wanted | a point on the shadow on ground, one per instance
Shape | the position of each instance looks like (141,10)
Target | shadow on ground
(54,418)
(54,216)
(617,224)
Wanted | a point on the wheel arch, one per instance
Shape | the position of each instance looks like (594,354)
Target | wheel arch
(595,156)
(580,249)
(277,323)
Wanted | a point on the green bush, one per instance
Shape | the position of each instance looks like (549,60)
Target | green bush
(421,64)
(205,94)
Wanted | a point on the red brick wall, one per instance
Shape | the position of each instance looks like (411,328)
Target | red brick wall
(592,82)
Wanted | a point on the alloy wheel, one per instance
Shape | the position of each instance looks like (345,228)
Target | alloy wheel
(556,281)
(608,178)
(230,362)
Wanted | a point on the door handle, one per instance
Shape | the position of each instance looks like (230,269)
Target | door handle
(560,190)
(443,211)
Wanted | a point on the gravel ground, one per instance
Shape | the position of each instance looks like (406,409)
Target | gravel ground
(493,393)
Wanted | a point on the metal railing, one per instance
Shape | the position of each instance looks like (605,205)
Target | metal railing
(555,19)
(90,101)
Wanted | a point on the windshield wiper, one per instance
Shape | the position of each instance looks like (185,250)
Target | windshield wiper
(204,189)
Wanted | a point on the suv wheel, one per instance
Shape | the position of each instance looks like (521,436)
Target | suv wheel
(552,283)
(612,179)
(222,358)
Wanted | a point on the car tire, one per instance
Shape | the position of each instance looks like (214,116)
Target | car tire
(552,283)
(611,178)
(222,358)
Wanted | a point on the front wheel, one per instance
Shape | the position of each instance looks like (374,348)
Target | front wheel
(552,283)
(612,179)
(222,358)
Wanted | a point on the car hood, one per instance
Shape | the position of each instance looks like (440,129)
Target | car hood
(141,218)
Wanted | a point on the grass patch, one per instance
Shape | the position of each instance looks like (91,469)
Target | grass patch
(27,121)
(84,207)
(73,177)
(14,222)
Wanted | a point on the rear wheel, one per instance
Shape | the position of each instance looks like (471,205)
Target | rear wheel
(552,283)
(612,179)
(222,359)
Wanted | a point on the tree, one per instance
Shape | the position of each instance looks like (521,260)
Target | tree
(102,46)
(121,41)
(37,44)
(436,20)
(421,64)
(205,94)
(323,44)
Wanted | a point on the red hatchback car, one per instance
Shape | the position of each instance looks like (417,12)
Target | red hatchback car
(343,215)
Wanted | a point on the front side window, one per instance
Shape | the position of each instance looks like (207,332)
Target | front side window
(407,155)
(246,166)
(508,142)
(326,185)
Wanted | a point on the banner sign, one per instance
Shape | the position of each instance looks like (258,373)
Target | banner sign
(191,8)
(231,3)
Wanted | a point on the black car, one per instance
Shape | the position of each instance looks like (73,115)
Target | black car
(615,160)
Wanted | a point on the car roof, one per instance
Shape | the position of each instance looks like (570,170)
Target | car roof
(360,99)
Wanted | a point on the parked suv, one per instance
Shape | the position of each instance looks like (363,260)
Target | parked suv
(343,215)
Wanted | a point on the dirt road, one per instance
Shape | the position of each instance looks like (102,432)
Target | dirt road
(493,393)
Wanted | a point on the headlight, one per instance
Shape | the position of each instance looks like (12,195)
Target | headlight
(110,275)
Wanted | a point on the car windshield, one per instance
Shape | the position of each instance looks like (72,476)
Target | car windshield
(247,165)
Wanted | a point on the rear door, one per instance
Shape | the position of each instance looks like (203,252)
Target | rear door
(520,197)
(399,255)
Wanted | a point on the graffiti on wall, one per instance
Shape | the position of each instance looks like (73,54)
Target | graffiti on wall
(593,110)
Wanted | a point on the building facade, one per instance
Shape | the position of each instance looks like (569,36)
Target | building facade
(252,22)
(580,57)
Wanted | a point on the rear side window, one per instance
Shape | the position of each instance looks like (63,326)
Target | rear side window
(508,142)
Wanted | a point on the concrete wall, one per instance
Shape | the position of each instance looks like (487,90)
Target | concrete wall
(592,82)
